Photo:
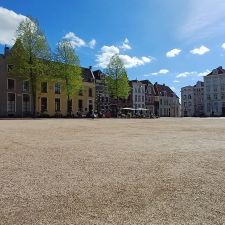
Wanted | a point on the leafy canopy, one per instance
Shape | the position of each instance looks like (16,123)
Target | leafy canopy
(67,68)
(30,54)
(117,80)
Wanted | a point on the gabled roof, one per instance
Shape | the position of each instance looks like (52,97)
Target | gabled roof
(217,71)
(161,89)
(87,75)
(146,82)
(98,74)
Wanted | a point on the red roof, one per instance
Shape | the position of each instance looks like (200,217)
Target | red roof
(217,71)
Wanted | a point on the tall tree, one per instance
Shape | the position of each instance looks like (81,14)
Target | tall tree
(30,55)
(117,80)
(68,70)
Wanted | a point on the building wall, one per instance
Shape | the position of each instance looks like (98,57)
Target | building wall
(51,96)
(17,91)
(199,99)
(3,87)
(214,95)
(187,101)
(150,99)
(138,94)
(102,97)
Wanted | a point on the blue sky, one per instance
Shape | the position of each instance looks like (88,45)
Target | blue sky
(174,42)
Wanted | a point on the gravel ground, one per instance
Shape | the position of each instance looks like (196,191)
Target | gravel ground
(112,171)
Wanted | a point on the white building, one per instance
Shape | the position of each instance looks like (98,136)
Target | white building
(214,93)
(138,94)
(199,99)
(192,100)
(168,101)
(187,101)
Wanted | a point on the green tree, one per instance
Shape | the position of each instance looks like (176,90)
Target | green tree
(117,80)
(68,70)
(30,55)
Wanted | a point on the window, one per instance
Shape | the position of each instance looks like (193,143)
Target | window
(143,98)
(90,92)
(57,104)
(139,98)
(26,103)
(57,88)
(26,85)
(11,84)
(184,97)
(215,96)
(9,67)
(80,105)
(208,97)
(222,96)
(69,105)
(135,98)
(208,107)
(216,108)
(44,104)
(189,96)
(11,104)
(189,104)
(44,87)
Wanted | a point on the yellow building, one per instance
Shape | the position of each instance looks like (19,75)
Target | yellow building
(51,98)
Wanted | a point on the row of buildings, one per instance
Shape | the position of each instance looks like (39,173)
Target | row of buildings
(205,98)
(16,98)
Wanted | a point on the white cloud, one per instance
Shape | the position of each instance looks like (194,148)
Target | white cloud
(174,52)
(161,72)
(75,40)
(223,45)
(185,74)
(204,19)
(92,43)
(131,62)
(146,59)
(176,81)
(202,74)
(107,52)
(78,42)
(200,51)
(193,74)
(9,21)
(126,45)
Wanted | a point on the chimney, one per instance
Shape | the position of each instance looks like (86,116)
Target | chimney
(90,67)
(6,50)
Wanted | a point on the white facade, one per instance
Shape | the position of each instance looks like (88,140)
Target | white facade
(214,93)
(199,99)
(138,94)
(192,100)
(168,101)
